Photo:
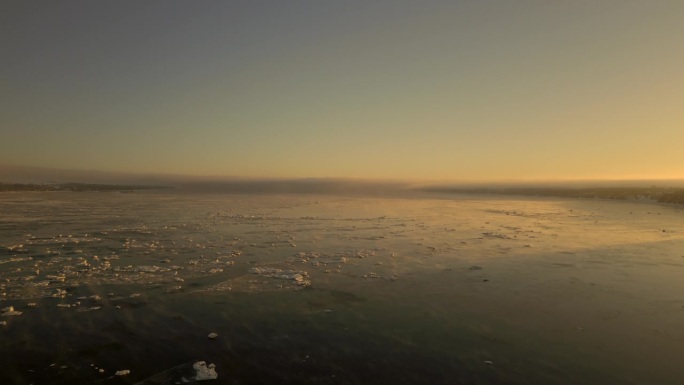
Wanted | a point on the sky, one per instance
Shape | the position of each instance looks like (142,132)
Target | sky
(434,90)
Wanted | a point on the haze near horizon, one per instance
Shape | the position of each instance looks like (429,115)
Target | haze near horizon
(463,90)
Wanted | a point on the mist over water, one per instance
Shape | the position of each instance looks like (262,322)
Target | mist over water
(313,185)
(313,288)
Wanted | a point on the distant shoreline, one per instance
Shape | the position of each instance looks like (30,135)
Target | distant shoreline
(75,187)
(645,194)
(671,195)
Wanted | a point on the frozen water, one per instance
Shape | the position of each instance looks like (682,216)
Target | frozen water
(301,283)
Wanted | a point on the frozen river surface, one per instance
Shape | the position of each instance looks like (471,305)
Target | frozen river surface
(334,290)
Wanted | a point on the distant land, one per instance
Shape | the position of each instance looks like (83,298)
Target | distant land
(24,178)
(653,194)
(73,187)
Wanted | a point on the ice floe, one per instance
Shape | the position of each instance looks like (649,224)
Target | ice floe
(9,311)
(270,272)
(204,372)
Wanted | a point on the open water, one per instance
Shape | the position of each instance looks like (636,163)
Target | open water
(305,289)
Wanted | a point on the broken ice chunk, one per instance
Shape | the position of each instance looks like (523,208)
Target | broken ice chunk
(173,289)
(212,336)
(204,372)
(124,372)
(297,276)
(9,311)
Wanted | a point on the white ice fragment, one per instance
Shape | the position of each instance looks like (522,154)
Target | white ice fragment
(122,372)
(9,311)
(3,323)
(100,370)
(278,273)
(173,289)
(212,336)
(204,372)
(57,278)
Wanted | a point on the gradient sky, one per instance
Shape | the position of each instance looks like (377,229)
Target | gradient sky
(455,90)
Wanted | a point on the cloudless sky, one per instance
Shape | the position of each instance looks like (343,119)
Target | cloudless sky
(455,90)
